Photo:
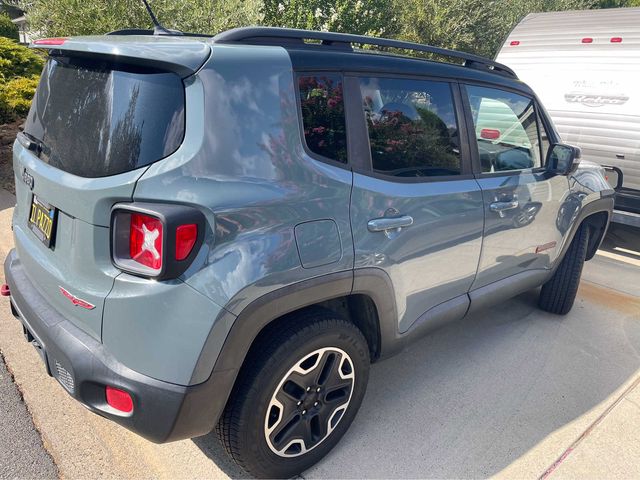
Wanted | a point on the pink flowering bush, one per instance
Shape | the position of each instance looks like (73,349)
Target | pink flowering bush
(323,116)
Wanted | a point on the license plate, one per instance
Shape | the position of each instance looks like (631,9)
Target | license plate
(42,221)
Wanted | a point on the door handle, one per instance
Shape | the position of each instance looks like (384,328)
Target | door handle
(386,224)
(501,206)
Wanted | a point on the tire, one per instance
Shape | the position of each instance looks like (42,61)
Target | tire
(288,389)
(559,293)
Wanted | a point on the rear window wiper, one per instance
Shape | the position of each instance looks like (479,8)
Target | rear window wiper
(31,143)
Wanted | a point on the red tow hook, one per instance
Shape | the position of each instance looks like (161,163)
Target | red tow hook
(4,290)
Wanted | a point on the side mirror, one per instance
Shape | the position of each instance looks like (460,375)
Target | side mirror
(563,159)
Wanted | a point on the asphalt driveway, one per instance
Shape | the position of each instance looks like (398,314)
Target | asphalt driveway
(511,392)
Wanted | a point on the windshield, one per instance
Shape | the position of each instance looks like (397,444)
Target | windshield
(95,119)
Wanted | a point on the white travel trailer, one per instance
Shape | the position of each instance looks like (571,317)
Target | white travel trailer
(585,67)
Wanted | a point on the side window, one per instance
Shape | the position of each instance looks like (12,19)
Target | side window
(323,115)
(506,129)
(412,127)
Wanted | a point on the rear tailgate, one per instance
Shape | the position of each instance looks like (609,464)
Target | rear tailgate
(105,109)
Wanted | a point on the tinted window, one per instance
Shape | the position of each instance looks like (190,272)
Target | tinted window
(412,127)
(323,115)
(94,121)
(506,129)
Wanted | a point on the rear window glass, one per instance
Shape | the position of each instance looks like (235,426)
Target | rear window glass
(323,115)
(94,120)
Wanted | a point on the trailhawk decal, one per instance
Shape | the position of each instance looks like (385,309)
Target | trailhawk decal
(78,302)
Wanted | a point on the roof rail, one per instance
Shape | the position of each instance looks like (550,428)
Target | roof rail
(291,36)
(142,31)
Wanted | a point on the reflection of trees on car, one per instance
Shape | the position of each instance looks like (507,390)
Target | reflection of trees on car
(323,109)
(405,146)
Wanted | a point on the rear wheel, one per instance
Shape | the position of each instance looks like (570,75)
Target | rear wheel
(297,396)
(559,293)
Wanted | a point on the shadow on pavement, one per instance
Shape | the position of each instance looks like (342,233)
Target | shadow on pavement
(212,448)
(622,240)
(475,396)
(7,200)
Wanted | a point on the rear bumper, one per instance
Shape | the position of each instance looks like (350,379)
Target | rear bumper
(162,411)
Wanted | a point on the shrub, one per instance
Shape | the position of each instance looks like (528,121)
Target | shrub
(7,28)
(15,97)
(18,61)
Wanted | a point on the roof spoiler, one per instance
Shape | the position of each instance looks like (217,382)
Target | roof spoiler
(171,53)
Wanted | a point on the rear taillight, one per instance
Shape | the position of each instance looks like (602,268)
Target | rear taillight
(145,240)
(155,240)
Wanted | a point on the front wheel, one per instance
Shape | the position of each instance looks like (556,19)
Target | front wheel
(559,293)
(297,396)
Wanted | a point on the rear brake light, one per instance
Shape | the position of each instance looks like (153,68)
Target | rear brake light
(616,39)
(587,40)
(155,240)
(186,236)
(515,43)
(50,41)
(145,240)
(119,399)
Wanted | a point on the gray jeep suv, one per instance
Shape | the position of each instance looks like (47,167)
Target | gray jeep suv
(223,233)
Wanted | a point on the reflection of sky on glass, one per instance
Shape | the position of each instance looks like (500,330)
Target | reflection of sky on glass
(437,94)
(517,103)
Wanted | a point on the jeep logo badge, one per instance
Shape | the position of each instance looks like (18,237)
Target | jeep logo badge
(27,178)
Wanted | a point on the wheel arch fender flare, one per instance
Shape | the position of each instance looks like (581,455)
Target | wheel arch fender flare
(257,315)
(597,215)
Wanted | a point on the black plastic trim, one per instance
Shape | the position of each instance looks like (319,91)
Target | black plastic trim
(163,412)
(603,204)
(280,36)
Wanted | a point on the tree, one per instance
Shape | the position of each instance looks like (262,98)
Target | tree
(52,18)
(365,17)
(7,28)
(17,60)
(476,26)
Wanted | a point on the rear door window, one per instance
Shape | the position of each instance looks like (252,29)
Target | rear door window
(95,119)
(412,126)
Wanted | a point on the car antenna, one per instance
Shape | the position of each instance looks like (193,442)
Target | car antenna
(158,28)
